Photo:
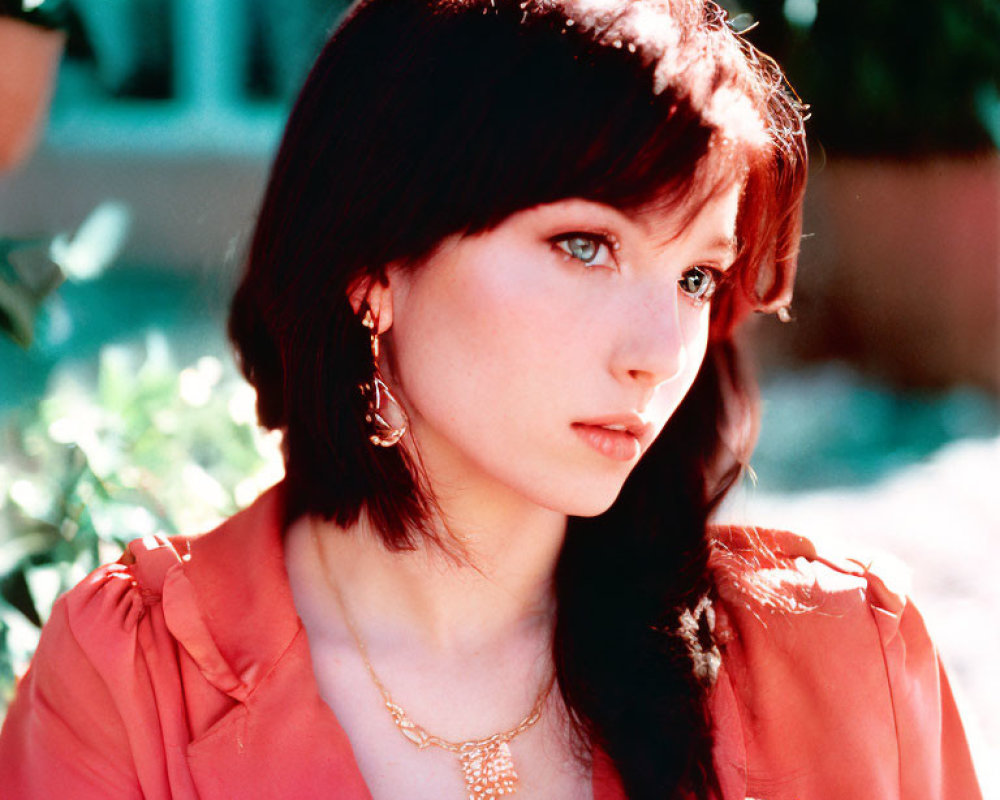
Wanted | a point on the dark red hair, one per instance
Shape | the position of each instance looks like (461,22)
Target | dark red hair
(426,118)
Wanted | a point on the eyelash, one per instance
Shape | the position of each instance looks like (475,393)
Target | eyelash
(608,240)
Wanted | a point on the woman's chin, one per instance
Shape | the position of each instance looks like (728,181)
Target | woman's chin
(592,503)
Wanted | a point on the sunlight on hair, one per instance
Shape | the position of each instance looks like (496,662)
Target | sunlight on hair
(732,112)
(649,25)
(653,24)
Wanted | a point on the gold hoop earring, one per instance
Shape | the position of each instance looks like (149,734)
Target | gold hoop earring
(385,417)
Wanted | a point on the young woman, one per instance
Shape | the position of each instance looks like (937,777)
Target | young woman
(490,303)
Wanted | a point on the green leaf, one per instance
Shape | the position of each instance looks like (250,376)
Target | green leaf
(27,276)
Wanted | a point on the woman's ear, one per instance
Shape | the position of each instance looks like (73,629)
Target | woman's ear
(376,293)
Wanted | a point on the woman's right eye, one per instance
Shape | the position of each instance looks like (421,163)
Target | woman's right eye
(591,249)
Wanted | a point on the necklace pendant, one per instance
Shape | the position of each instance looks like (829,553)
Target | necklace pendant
(489,771)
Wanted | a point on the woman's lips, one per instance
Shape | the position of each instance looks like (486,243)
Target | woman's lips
(615,444)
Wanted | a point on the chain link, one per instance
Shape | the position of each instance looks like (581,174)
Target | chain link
(410,729)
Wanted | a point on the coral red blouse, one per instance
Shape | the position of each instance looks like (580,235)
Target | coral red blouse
(186,674)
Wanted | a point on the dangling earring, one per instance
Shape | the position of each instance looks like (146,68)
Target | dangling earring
(385,417)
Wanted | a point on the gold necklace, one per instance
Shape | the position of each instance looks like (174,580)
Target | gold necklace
(487,764)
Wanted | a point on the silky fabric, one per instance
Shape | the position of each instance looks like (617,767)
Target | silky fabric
(184,672)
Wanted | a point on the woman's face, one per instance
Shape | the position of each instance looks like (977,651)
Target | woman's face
(539,360)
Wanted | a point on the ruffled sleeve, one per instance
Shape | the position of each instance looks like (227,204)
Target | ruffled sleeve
(833,678)
(85,721)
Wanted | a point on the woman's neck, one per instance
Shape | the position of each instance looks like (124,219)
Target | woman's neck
(425,599)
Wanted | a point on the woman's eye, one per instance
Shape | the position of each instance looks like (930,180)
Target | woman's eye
(699,283)
(591,249)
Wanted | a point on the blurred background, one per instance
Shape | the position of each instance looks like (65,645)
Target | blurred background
(124,215)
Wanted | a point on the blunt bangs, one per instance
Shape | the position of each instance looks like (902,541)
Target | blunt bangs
(497,106)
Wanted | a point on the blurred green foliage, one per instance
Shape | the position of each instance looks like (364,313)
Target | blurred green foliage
(886,77)
(143,447)
(28,275)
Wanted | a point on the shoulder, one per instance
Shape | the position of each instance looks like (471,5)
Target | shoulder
(146,655)
(831,673)
(100,621)
(778,572)
(83,713)
(102,613)
(792,619)
(221,596)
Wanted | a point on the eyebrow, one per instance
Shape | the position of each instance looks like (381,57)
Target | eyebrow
(726,245)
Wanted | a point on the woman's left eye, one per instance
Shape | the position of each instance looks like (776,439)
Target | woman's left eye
(699,283)
(591,249)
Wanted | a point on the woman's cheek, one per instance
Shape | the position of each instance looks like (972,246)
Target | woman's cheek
(694,331)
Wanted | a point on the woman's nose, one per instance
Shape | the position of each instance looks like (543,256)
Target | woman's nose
(653,348)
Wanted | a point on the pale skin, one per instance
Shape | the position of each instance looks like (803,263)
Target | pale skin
(498,348)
